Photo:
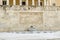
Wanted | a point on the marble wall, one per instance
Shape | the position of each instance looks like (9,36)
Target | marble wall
(18,21)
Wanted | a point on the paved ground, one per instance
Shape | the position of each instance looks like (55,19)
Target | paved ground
(30,36)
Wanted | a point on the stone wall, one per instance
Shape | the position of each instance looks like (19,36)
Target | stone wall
(34,19)
(12,20)
(52,20)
